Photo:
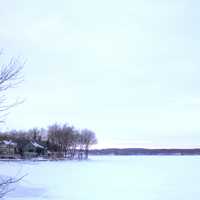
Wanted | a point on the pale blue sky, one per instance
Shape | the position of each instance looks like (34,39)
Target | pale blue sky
(128,70)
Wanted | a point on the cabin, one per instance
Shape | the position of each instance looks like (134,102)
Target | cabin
(33,149)
(8,149)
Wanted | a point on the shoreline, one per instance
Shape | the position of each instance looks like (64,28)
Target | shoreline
(51,160)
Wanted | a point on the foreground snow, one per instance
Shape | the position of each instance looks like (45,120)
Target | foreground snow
(107,178)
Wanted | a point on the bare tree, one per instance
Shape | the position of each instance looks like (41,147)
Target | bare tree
(35,134)
(68,140)
(55,138)
(10,77)
(88,139)
(62,139)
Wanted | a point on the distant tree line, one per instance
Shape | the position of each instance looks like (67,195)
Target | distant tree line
(58,141)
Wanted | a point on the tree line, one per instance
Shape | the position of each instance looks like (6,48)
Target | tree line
(58,140)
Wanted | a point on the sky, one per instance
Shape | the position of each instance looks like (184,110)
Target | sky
(128,70)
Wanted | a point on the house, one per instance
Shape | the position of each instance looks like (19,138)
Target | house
(33,149)
(8,149)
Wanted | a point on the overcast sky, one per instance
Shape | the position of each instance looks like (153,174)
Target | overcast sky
(128,70)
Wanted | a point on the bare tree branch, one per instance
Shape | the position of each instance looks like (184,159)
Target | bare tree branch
(10,77)
(5,184)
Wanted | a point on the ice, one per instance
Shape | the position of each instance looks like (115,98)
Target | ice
(107,178)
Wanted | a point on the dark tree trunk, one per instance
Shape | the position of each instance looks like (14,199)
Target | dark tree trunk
(86,153)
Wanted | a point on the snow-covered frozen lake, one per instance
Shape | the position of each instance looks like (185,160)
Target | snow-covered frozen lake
(107,178)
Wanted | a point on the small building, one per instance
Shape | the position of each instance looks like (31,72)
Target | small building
(8,149)
(33,149)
